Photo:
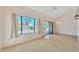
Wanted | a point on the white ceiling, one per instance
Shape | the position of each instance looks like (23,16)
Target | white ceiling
(51,11)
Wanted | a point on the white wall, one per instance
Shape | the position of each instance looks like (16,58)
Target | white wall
(78,28)
(7,19)
(0,29)
(67,24)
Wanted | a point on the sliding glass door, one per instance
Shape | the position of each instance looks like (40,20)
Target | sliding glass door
(48,27)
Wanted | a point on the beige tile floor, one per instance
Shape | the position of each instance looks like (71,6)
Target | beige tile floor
(49,43)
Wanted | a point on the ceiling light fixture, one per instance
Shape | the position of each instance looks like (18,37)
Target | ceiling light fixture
(77,16)
(54,7)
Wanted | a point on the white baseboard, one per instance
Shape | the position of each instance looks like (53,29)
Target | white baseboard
(67,34)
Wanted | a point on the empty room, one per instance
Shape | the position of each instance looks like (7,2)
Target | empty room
(39,28)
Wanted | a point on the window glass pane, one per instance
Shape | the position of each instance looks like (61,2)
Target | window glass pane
(18,24)
(27,25)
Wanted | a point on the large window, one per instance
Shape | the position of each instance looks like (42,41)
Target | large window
(26,25)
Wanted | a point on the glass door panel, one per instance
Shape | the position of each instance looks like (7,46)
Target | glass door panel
(48,27)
